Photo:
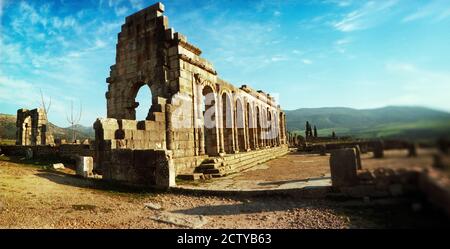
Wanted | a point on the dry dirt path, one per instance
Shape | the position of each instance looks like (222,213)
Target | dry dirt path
(33,197)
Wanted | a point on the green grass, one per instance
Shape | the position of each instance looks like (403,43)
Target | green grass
(419,130)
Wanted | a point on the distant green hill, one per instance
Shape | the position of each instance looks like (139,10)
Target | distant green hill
(388,122)
(8,129)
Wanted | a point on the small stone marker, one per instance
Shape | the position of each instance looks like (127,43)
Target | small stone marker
(378,149)
(343,167)
(412,150)
(85,165)
(58,166)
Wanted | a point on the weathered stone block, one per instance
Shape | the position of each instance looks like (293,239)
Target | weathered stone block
(85,165)
(343,167)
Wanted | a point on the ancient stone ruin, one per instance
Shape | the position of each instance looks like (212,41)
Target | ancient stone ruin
(198,125)
(32,128)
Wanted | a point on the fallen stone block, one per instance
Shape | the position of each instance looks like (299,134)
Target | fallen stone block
(151,205)
(58,166)
(183,220)
(343,167)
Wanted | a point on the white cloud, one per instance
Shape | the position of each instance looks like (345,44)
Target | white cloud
(436,10)
(306,61)
(277,58)
(120,11)
(364,17)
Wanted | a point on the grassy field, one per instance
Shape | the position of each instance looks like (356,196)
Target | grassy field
(420,130)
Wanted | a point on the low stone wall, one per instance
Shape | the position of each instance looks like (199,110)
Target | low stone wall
(42,151)
(434,181)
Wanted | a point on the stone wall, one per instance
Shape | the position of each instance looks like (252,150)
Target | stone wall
(146,168)
(68,151)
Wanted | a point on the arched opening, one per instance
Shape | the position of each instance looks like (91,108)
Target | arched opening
(240,125)
(269,133)
(227,124)
(209,121)
(143,102)
(251,126)
(258,127)
(26,131)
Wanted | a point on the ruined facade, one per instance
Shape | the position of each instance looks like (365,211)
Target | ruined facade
(197,123)
(32,128)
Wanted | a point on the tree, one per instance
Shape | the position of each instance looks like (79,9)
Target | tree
(333,134)
(315,131)
(44,106)
(73,120)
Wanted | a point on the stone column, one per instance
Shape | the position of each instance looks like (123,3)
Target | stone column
(169,129)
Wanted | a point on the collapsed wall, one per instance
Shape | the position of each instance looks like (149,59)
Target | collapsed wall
(194,116)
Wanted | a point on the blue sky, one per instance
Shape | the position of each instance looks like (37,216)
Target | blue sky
(311,53)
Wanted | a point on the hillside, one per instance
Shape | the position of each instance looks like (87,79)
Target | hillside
(388,122)
(8,129)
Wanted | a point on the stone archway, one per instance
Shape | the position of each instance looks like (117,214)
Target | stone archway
(143,102)
(210,121)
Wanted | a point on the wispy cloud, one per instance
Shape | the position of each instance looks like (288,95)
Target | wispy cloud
(364,17)
(436,10)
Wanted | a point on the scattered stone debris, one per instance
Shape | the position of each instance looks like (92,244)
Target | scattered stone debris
(190,221)
(151,205)
(58,166)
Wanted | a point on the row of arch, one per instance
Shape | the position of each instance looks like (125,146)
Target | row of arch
(238,123)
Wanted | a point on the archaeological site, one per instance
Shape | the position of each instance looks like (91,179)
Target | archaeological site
(210,154)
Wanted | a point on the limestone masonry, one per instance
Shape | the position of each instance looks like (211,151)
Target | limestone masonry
(198,125)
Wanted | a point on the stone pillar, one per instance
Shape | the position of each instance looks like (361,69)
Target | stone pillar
(378,147)
(201,140)
(412,149)
(343,167)
(165,171)
(169,129)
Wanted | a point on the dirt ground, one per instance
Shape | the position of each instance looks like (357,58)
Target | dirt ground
(296,166)
(32,196)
